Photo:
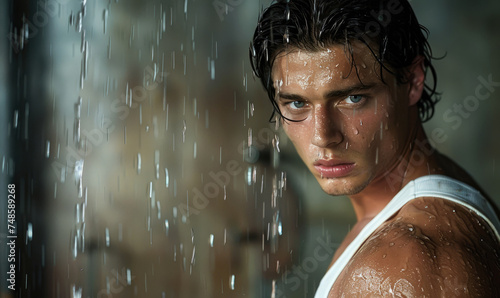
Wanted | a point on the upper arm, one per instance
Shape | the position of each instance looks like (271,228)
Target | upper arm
(404,261)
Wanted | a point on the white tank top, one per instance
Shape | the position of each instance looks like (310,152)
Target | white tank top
(436,186)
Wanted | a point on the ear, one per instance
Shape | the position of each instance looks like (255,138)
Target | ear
(416,80)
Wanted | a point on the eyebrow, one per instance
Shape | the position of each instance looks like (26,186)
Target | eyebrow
(334,93)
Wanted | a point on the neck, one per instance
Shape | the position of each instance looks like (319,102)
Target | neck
(418,159)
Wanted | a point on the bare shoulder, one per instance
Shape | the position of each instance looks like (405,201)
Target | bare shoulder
(431,248)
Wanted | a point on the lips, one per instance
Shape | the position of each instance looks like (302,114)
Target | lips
(333,168)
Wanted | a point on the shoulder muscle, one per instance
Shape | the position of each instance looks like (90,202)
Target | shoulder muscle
(407,258)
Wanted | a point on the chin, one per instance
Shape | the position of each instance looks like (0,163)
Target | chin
(345,186)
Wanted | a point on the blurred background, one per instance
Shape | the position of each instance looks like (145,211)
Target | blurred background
(144,163)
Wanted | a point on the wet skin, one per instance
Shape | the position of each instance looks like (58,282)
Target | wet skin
(358,136)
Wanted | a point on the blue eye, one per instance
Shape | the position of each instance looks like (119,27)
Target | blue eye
(297,104)
(354,98)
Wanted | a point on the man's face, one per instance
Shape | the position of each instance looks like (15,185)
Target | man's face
(354,126)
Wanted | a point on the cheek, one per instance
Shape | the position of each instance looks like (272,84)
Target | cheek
(292,131)
(299,135)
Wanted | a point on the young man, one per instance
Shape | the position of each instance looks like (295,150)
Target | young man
(347,81)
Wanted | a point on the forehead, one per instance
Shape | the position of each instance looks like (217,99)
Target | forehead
(331,64)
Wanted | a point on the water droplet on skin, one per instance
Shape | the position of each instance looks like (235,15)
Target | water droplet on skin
(356,131)
(384,256)
(391,244)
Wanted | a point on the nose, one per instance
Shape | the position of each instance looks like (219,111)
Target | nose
(326,131)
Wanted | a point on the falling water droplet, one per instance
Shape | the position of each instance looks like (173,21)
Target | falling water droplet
(231,282)
(184,128)
(76,128)
(193,254)
(166,226)
(47,149)
(286,36)
(139,163)
(212,69)
(82,46)
(77,209)
(78,175)
(29,233)
(79,22)
(157,164)
(129,277)
(107,237)
(167,179)
(250,137)
(16,118)
(376,156)
(76,293)
(276,143)
(105,20)
(164,22)
(211,240)
(249,176)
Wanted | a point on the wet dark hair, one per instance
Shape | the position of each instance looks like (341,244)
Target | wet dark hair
(389,28)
